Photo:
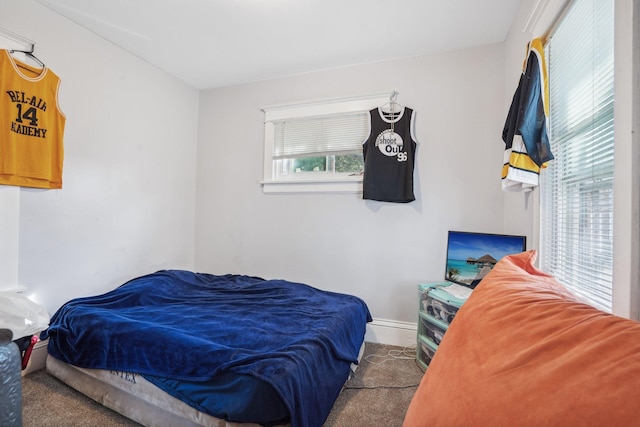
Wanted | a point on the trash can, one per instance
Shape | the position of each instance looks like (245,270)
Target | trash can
(10,381)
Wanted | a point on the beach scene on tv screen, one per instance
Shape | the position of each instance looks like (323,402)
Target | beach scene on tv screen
(471,256)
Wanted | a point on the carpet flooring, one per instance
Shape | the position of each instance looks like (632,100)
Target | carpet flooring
(378,394)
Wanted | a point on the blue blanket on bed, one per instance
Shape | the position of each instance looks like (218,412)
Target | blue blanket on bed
(194,326)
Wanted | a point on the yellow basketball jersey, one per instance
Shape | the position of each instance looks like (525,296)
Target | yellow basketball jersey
(31,125)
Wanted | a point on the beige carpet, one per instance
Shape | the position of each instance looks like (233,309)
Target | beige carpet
(380,391)
(377,395)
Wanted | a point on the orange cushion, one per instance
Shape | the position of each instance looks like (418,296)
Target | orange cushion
(523,351)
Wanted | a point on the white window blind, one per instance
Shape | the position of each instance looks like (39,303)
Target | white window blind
(299,136)
(577,187)
(320,136)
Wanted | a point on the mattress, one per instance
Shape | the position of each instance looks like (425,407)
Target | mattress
(183,331)
(134,397)
(131,395)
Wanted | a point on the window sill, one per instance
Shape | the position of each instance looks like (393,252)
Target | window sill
(346,186)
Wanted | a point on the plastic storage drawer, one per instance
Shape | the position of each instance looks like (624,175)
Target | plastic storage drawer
(437,302)
(431,328)
(425,352)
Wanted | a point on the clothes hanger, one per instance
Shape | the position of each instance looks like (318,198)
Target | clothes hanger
(392,109)
(30,54)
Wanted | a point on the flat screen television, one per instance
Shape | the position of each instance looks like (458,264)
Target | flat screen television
(470,256)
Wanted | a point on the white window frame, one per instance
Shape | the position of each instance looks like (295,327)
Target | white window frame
(312,182)
(590,292)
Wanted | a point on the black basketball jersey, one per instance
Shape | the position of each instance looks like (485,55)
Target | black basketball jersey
(389,157)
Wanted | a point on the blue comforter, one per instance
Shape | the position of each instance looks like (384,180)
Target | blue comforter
(193,326)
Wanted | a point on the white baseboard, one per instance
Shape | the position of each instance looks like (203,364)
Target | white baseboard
(392,332)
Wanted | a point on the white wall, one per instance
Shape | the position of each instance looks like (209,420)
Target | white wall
(520,209)
(9,207)
(127,206)
(534,18)
(377,251)
(135,136)
(9,227)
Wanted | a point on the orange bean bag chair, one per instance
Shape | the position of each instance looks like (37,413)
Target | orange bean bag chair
(524,351)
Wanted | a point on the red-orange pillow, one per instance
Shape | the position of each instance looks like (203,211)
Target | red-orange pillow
(523,351)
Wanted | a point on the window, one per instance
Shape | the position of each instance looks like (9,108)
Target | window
(576,195)
(317,146)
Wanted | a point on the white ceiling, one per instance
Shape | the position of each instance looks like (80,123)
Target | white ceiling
(214,43)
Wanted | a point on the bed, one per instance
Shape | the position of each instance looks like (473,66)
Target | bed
(182,348)
(524,351)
